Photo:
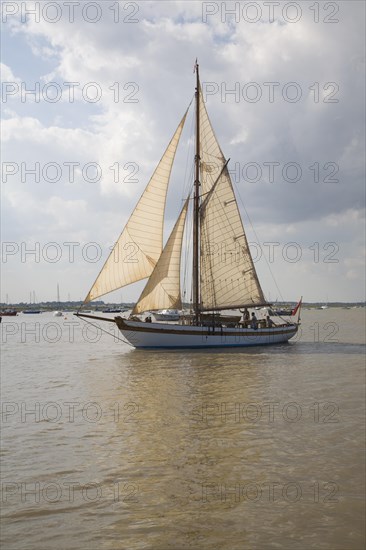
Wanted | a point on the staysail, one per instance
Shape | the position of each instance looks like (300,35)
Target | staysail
(228,278)
(140,244)
(162,290)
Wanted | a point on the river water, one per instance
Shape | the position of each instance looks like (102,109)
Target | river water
(107,447)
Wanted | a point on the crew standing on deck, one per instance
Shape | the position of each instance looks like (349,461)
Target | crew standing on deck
(254,322)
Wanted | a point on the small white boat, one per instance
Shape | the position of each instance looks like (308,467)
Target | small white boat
(167,315)
(57,313)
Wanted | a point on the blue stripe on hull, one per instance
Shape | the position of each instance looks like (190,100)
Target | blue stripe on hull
(215,346)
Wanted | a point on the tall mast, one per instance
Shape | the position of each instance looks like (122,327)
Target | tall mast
(196,291)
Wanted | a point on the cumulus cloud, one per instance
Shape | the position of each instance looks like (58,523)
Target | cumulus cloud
(297,164)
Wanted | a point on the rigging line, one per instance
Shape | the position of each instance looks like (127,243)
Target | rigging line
(187,229)
(210,192)
(256,236)
(187,250)
(103,330)
(188,156)
(209,280)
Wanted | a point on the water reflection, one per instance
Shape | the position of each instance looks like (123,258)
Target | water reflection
(187,446)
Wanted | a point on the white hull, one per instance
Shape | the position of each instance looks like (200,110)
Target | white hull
(161,335)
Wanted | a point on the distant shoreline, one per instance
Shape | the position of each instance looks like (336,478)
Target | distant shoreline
(99,306)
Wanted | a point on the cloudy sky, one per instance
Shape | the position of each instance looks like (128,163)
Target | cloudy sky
(93,91)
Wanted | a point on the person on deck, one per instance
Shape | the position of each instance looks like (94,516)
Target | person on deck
(269,322)
(254,321)
(246,317)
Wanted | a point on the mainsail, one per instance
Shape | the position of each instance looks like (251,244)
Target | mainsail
(228,277)
(140,244)
(162,290)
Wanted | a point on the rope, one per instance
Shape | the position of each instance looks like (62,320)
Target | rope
(109,334)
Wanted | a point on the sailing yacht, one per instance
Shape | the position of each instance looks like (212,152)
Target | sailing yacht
(218,284)
(58,313)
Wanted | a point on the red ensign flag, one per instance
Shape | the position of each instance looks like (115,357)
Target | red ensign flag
(294,311)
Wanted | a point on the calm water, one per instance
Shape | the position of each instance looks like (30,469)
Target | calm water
(105,447)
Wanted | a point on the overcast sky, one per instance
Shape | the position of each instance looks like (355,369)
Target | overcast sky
(285,92)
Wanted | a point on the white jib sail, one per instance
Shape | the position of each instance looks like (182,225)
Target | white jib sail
(140,244)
